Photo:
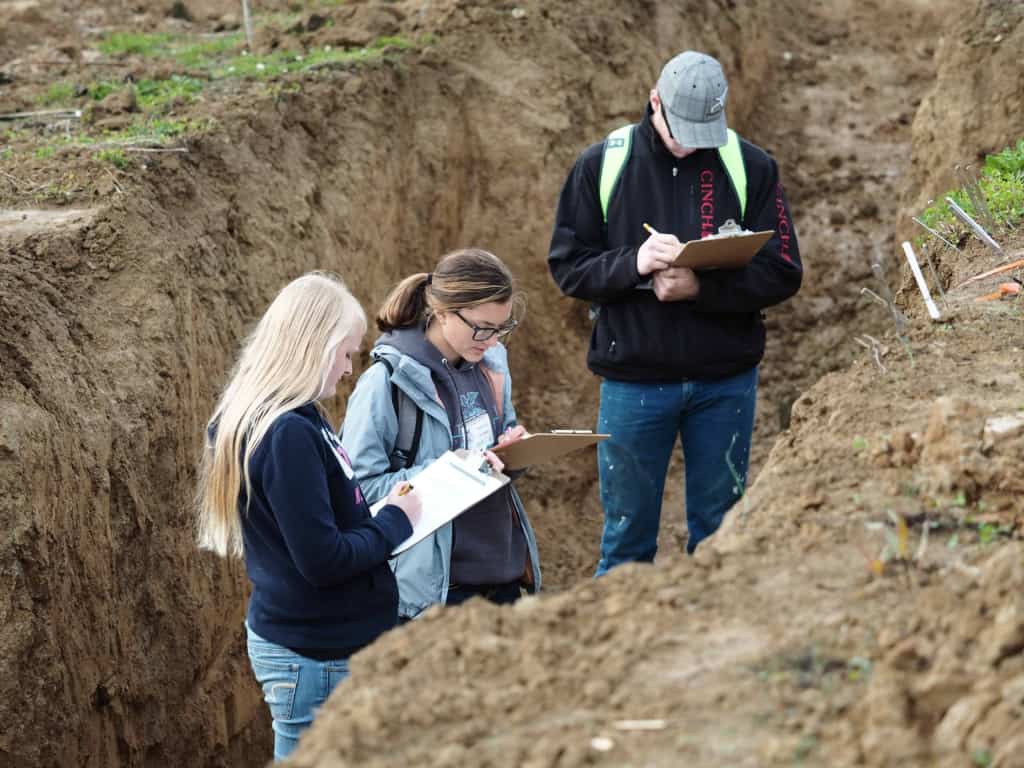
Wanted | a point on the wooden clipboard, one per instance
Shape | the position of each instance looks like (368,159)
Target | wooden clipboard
(722,252)
(544,446)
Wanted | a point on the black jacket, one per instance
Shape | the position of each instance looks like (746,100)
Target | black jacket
(636,337)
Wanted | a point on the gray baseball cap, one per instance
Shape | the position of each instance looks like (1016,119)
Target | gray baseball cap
(692,87)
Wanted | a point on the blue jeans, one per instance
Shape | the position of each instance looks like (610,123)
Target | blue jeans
(294,687)
(714,419)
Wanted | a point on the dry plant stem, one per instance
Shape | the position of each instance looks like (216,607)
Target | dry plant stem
(874,347)
(935,275)
(922,546)
(975,227)
(114,179)
(65,114)
(933,232)
(969,181)
(897,317)
(140,141)
(156,149)
(18,183)
(875,296)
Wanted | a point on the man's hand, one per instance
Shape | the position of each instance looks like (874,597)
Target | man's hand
(676,284)
(657,252)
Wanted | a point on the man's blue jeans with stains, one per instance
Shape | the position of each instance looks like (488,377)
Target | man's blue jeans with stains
(714,418)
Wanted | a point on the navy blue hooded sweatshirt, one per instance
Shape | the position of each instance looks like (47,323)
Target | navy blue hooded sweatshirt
(316,558)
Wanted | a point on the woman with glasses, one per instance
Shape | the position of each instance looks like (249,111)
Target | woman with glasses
(441,349)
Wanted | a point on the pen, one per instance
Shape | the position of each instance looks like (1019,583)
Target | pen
(405,489)
(650,229)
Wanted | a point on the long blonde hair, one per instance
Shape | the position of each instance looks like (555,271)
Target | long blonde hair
(284,364)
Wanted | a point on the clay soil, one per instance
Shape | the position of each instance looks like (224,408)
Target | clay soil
(862,605)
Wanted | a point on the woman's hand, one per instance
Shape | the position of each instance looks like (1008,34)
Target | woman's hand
(406,499)
(491,458)
(512,435)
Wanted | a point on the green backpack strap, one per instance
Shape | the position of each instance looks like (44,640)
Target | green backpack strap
(732,159)
(616,153)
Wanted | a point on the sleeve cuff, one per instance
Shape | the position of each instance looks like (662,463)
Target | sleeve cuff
(394,524)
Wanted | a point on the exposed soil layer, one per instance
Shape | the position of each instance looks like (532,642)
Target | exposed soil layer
(125,289)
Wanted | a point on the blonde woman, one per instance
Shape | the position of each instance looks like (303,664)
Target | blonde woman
(277,488)
(441,351)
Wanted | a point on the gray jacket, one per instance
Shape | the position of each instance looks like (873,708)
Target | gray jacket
(369,435)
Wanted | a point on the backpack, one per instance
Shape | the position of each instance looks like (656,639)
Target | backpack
(410,423)
(616,152)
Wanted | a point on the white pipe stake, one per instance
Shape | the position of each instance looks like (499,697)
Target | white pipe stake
(922,286)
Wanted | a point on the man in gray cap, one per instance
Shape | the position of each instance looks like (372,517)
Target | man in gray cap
(678,349)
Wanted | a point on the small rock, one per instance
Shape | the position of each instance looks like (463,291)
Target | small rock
(227,23)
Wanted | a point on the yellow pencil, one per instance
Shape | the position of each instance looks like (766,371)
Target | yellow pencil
(405,489)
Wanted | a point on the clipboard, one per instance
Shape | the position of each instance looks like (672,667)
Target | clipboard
(447,488)
(728,252)
(544,446)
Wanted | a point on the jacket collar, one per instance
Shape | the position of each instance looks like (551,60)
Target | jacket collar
(649,136)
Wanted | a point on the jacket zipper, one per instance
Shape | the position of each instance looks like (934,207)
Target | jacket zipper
(458,404)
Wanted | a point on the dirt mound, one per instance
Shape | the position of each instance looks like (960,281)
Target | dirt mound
(949,687)
(860,606)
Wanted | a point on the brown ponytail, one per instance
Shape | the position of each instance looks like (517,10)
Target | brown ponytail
(406,305)
(462,279)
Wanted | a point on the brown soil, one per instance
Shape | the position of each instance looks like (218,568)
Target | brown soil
(124,293)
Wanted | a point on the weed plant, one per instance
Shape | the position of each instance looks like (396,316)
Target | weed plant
(1001,182)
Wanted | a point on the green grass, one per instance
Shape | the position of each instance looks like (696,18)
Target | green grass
(43,153)
(99,90)
(115,157)
(1001,182)
(283,62)
(161,129)
(58,93)
(161,95)
(224,56)
(200,55)
(127,43)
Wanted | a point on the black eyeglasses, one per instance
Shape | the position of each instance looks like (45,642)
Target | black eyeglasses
(483,333)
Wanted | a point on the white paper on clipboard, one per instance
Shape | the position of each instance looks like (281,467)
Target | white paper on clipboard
(447,488)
